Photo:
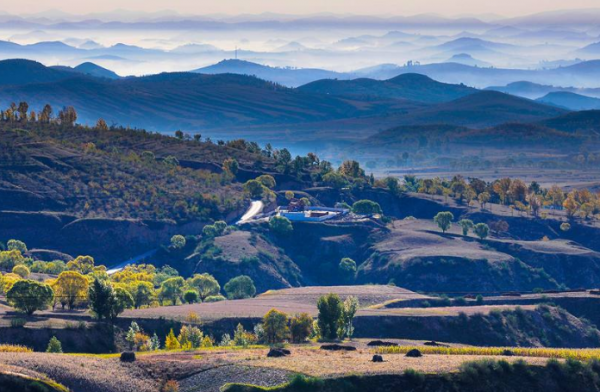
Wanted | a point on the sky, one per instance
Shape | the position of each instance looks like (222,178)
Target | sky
(361,7)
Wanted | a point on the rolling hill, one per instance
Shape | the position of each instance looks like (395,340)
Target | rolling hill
(188,101)
(412,87)
(481,110)
(21,72)
(584,122)
(571,101)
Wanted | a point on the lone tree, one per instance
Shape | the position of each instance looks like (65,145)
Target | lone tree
(330,314)
(444,220)
(366,207)
(481,230)
(178,241)
(281,226)
(240,287)
(275,324)
(466,224)
(347,267)
(29,296)
(54,346)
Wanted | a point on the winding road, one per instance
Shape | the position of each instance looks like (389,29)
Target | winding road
(255,208)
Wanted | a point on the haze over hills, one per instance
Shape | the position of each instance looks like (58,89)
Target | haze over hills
(570,101)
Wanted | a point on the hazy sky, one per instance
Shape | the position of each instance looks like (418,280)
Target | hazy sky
(382,7)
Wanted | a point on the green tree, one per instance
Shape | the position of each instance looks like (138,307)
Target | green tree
(29,296)
(444,220)
(301,327)
(347,267)
(230,165)
(466,225)
(142,293)
(54,346)
(178,241)
(267,180)
(481,230)
(16,245)
(330,315)
(123,300)
(190,296)
(350,307)
(206,285)
(275,324)
(220,227)
(281,226)
(172,289)
(366,207)
(254,189)
(240,287)
(102,299)
(335,180)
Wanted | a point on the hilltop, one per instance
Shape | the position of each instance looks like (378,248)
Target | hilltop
(413,87)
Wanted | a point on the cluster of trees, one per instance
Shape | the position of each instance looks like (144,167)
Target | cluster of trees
(444,221)
(83,284)
(515,193)
(21,114)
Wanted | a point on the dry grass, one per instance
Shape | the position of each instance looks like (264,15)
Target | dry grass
(83,373)
(560,353)
(318,363)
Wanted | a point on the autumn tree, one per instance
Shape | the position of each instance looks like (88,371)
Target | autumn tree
(82,264)
(301,327)
(101,125)
(71,288)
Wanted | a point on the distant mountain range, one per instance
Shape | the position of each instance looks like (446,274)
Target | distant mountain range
(324,110)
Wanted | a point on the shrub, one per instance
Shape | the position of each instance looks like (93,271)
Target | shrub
(54,346)
(240,287)
(18,322)
(178,241)
(347,267)
(366,207)
(29,296)
(21,270)
(215,298)
(281,226)
(170,386)
(275,326)
(14,348)
(16,245)
(190,296)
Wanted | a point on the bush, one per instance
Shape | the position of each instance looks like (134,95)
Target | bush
(214,298)
(347,267)
(18,322)
(178,241)
(281,226)
(54,346)
(366,207)
(191,296)
(240,287)
(21,270)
